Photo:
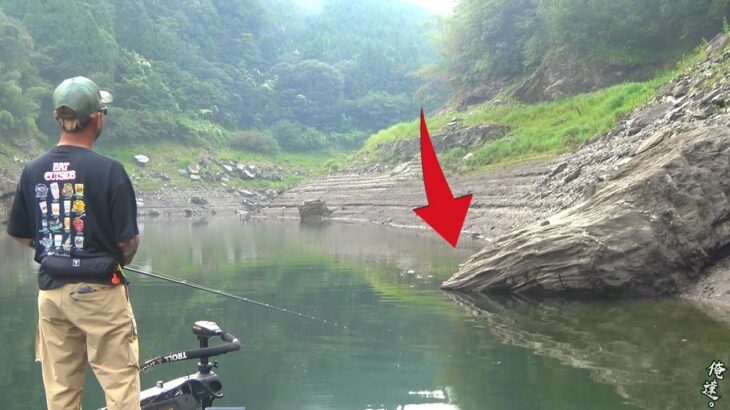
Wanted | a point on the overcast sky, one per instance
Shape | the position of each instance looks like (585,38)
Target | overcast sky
(442,7)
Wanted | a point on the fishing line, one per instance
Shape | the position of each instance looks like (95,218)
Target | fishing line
(168,278)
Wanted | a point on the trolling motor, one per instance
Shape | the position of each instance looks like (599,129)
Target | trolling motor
(195,391)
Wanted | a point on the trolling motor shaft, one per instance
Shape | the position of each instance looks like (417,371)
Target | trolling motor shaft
(200,389)
(190,392)
(204,352)
(204,330)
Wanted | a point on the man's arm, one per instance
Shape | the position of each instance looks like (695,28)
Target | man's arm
(129,249)
(25,241)
(124,214)
(20,225)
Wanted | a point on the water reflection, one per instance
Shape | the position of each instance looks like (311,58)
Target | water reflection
(408,346)
(653,352)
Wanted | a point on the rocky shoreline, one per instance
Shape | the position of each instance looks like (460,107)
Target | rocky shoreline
(212,196)
(203,202)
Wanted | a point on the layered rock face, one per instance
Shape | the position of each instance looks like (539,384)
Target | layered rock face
(652,212)
(651,231)
(453,135)
(565,73)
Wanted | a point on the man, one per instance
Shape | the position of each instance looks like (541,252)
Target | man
(78,210)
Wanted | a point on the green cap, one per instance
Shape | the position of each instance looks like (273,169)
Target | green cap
(81,95)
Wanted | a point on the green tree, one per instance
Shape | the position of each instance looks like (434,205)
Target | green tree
(311,91)
(487,38)
(293,136)
(20,85)
(632,31)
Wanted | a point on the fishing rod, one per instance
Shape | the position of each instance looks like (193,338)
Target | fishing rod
(194,285)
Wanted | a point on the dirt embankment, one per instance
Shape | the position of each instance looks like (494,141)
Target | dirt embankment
(387,196)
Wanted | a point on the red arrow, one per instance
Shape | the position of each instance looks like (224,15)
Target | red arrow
(444,213)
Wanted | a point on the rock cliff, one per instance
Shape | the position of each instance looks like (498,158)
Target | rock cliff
(564,73)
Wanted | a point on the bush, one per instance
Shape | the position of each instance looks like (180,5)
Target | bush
(352,139)
(125,126)
(293,136)
(256,141)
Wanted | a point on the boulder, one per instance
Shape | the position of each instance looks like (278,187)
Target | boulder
(247,174)
(205,161)
(649,232)
(196,200)
(314,211)
(141,160)
(482,93)
(270,173)
(649,115)
(719,42)
(154,213)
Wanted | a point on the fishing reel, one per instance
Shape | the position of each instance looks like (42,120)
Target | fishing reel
(195,391)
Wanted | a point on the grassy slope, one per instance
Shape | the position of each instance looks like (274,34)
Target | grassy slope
(168,157)
(536,130)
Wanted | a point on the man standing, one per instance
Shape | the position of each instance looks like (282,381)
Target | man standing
(78,210)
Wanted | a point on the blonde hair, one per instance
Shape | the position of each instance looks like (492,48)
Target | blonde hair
(70,125)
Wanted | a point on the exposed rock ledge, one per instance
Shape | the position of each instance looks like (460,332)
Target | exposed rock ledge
(650,232)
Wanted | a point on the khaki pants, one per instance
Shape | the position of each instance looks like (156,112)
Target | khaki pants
(94,323)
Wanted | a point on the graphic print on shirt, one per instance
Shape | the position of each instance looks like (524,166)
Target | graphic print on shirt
(63,212)
(68,190)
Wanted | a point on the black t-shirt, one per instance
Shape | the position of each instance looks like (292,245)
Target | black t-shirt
(73,202)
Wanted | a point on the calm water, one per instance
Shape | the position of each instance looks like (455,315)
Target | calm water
(406,340)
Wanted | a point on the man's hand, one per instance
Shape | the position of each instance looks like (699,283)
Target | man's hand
(129,249)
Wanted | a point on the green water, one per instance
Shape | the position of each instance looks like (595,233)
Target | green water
(404,336)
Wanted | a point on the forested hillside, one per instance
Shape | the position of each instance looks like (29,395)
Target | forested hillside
(256,75)
(268,76)
(487,40)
